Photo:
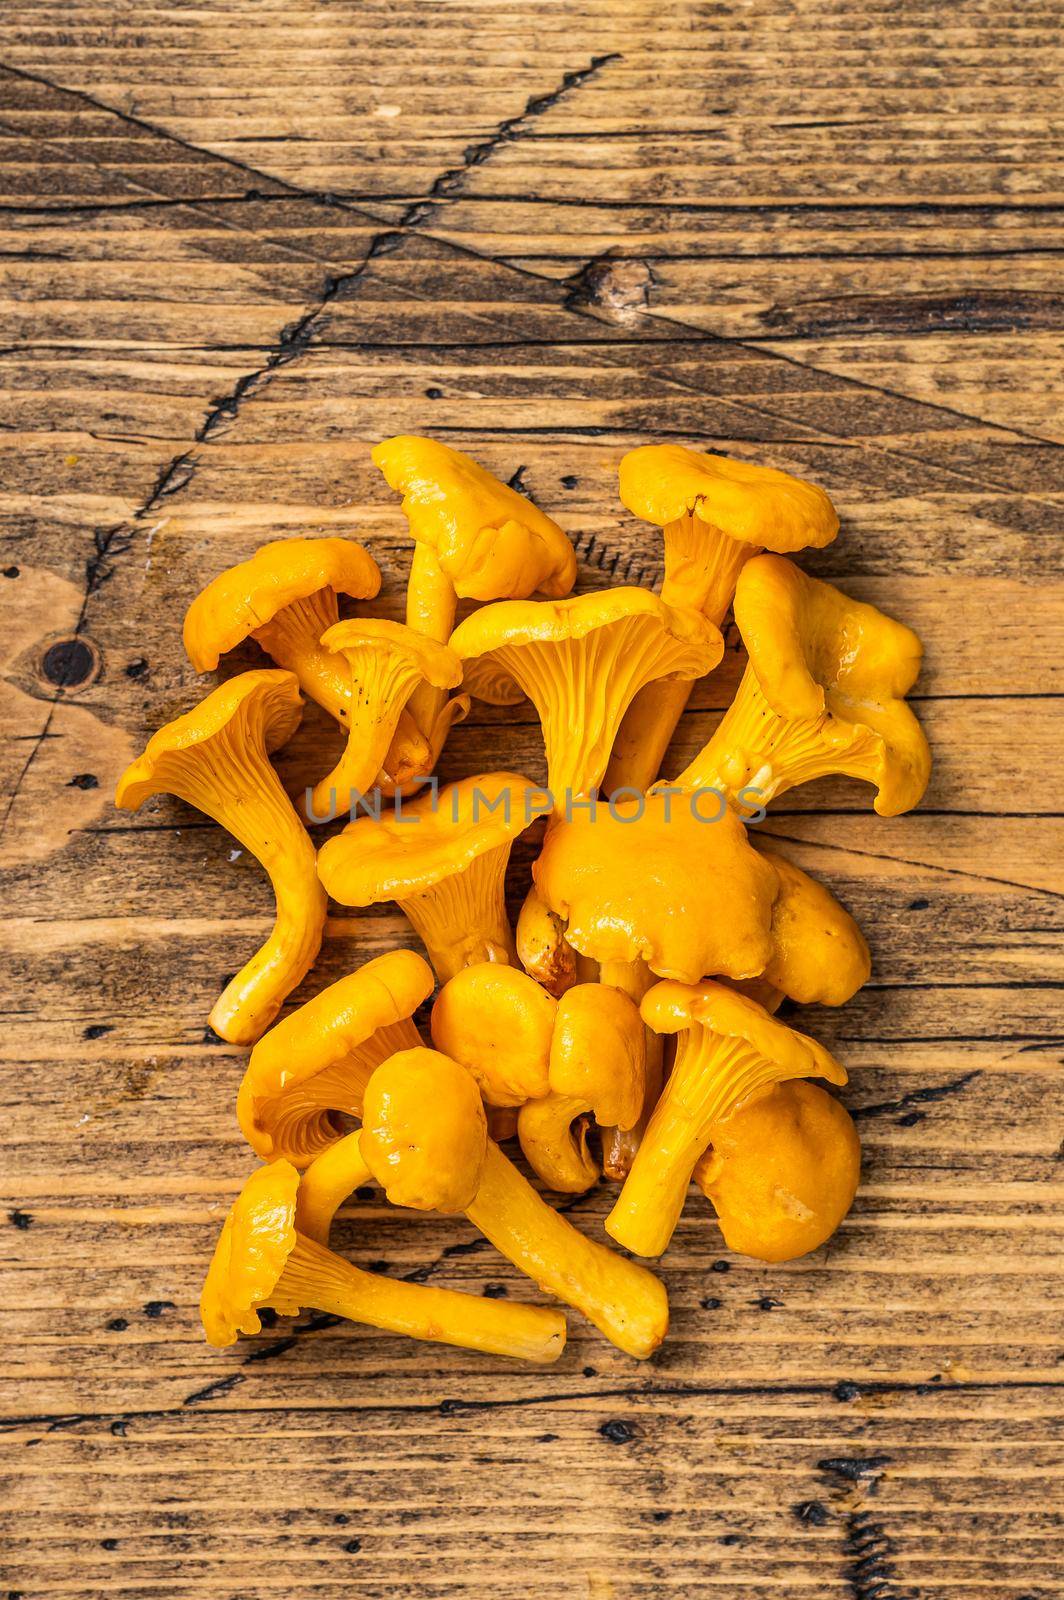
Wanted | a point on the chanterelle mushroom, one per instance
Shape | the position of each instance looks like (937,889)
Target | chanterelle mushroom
(819,954)
(648,879)
(317,1061)
(263,1260)
(581,662)
(498,1023)
(823,693)
(216,757)
(284,597)
(424,1140)
(728,1048)
(442,859)
(597,1066)
(714,513)
(476,539)
(542,948)
(782,1171)
(385,663)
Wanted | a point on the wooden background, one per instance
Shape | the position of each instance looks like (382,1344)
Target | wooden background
(240,242)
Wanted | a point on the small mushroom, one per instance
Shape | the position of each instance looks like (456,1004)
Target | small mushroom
(652,879)
(819,955)
(498,1023)
(581,662)
(385,664)
(216,757)
(476,539)
(263,1259)
(823,693)
(284,597)
(782,1171)
(425,1141)
(442,859)
(728,1050)
(597,1066)
(542,948)
(715,514)
(317,1061)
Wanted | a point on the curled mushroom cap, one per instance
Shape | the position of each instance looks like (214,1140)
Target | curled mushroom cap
(420,1137)
(386,662)
(424,1132)
(317,1061)
(823,693)
(581,662)
(284,596)
(263,1259)
(498,1023)
(715,514)
(216,757)
(442,859)
(782,1171)
(728,1049)
(819,954)
(491,542)
(597,1067)
(649,879)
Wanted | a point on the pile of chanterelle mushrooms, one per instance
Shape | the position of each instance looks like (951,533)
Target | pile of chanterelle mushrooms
(628,1028)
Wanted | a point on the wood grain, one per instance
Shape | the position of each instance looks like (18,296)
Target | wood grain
(237,246)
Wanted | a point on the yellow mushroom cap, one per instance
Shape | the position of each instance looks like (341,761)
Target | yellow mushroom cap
(424,1131)
(435,662)
(268,704)
(598,1053)
(819,954)
(256,1240)
(645,879)
(491,542)
(434,837)
(661,483)
(782,1171)
(672,1007)
(252,593)
(497,1022)
(813,649)
(483,638)
(330,1027)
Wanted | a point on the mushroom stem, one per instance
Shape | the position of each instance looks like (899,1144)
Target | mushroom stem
(431,604)
(702,567)
(462,919)
(319,1279)
(625,1301)
(619,1145)
(329,1180)
(379,685)
(754,747)
(711,1075)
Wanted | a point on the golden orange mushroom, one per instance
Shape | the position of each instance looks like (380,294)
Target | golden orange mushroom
(285,598)
(262,1259)
(819,954)
(315,1063)
(728,1048)
(216,757)
(781,1171)
(715,514)
(425,1141)
(823,693)
(581,662)
(442,858)
(498,1023)
(385,664)
(597,1068)
(476,539)
(542,948)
